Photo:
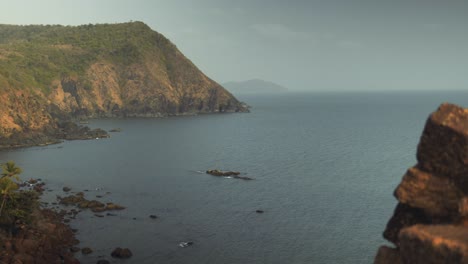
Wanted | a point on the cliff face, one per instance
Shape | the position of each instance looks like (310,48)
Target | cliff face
(51,73)
(430,222)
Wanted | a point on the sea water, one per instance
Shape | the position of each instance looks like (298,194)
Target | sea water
(324,167)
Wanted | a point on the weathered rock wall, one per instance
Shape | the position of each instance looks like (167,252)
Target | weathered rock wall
(430,222)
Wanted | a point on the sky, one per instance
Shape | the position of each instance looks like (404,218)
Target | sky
(314,45)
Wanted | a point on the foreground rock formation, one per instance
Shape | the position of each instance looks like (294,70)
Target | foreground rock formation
(430,222)
(54,73)
(46,241)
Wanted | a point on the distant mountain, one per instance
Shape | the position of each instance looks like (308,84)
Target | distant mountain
(254,86)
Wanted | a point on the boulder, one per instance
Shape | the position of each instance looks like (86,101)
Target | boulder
(121,253)
(433,244)
(443,147)
(98,209)
(86,250)
(95,204)
(112,206)
(435,195)
(430,222)
(404,216)
(222,173)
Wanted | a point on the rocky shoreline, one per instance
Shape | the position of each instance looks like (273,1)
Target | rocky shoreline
(47,238)
(44,238)
(66,130)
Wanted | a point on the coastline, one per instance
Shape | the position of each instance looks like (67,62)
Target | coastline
(40,236)
(75,130)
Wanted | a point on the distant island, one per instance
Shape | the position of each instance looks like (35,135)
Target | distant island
(254,86)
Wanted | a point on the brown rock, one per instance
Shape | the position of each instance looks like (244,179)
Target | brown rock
(86,250)
(404,216)
(437,196)
(95,204)
(443,148)
(98,209)
(434,244)
(112,206)
(121,253)
(222,173)
(387,255)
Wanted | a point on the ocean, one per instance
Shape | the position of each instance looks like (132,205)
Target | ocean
(324,166)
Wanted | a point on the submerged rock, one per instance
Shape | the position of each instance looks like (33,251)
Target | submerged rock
(233,174)
(121,253)
(113,206)
(86,251)
(222,173)
(95,206)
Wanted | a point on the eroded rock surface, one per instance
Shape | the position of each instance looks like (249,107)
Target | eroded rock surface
(430,222)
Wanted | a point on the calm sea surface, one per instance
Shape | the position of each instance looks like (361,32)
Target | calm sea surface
(325,166)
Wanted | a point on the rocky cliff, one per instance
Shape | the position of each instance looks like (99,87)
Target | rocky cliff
(430,222)
(52,73)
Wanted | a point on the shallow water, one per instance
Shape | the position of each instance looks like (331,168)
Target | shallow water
(325,166)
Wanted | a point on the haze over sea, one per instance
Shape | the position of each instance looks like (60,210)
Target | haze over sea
(325,166)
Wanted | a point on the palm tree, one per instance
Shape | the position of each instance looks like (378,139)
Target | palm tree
(10,170)
(7,185)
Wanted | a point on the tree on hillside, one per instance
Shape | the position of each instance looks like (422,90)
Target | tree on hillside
(10,173)
(9,169)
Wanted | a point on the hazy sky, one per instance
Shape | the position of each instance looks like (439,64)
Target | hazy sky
(303,45)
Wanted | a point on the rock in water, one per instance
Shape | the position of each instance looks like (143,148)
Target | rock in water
(430,222)
(121,253)
(86,250)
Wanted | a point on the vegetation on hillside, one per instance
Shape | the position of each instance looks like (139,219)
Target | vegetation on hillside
(33,56)
(16,205)
(55,73)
